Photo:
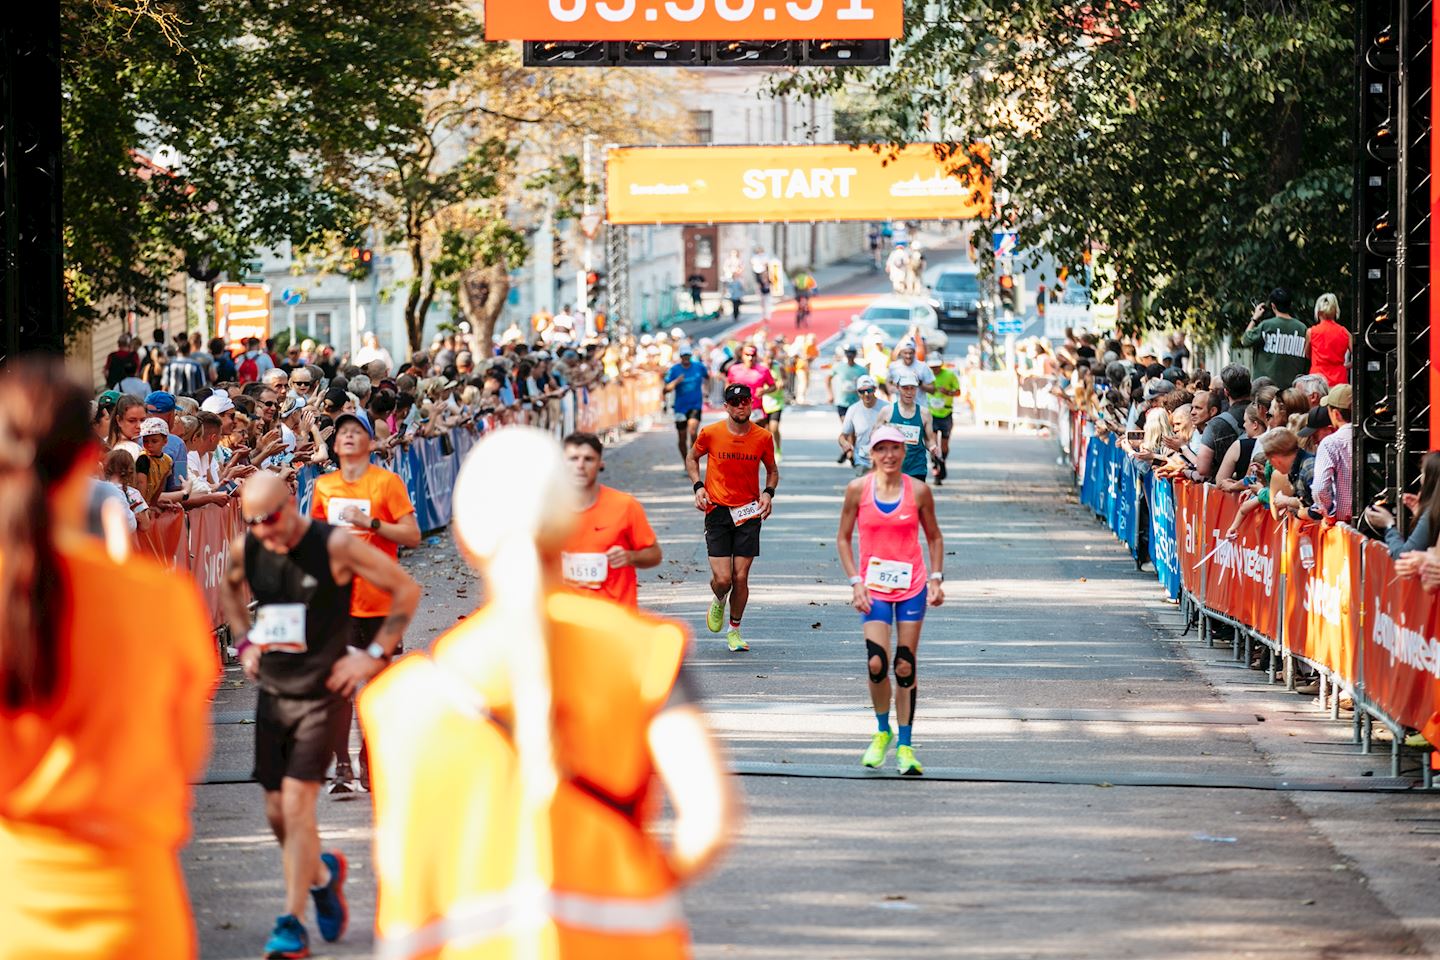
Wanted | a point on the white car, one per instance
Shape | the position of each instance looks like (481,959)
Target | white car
(892,317)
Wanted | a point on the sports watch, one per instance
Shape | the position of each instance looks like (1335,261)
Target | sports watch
(374,523)
(375,652)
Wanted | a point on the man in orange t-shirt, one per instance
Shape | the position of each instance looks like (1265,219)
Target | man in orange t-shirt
(612,537)
(373,503)
(733,504)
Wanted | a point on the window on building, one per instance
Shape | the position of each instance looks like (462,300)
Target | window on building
(702,123)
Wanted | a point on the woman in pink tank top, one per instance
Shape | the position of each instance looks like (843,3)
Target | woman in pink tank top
(891,585)
(1327,344)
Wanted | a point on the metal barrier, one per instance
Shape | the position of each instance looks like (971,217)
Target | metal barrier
(1307,592)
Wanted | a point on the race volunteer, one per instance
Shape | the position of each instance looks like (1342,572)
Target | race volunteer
(914,423)
(612,537)
(301,573)
(516,765)
(890,586)
(733,503)
(860,419)
(942,410)
(372,503)
(688,380)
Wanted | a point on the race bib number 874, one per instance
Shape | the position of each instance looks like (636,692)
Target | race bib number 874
(891,576)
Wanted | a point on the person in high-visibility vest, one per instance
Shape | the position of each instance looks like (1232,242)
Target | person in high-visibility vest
(512,767)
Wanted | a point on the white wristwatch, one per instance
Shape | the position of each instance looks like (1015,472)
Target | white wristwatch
(375,652)
(938,577)
(856,581)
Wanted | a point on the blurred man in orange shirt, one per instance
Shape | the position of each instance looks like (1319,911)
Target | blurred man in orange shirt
(372,503)
(612,537)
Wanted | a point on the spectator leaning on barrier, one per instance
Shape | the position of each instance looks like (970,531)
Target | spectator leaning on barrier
(161,404)
(119,471)
(1234,474)
(1294,465)
(1424,508)
(155,470)
(1225,428)
(1333,458)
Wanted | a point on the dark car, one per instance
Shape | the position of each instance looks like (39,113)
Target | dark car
(957,296)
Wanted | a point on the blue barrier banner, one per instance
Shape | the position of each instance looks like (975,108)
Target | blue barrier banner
(1164,550)
(1089,477)
(438,470)
(1114,456)
(1127,514)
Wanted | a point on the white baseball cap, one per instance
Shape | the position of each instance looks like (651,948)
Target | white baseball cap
(866,382)
(907,380)
(154,427)
(218,403)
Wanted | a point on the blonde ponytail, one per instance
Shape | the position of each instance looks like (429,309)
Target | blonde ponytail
(513,501)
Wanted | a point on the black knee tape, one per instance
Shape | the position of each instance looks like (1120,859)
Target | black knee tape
(872,650)
(906,655)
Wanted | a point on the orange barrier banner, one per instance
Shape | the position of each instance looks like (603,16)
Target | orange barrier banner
(1243,574)
(211,530)
(1323,565)
(626,20)
(165,540)
(1401,649)
(1191,532)
(791,183)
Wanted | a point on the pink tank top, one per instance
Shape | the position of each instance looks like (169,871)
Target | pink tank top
(893,536)
(1329,342)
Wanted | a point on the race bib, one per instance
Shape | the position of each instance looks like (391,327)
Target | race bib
(279,628)
(892,576)
(749,511)
(909,431)
(335,508)
(586,569)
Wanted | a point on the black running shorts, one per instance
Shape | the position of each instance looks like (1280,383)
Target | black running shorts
(296,737)
(724,539)
(942,425)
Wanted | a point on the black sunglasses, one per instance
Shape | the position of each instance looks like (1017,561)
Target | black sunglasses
(301,383)
(268,518)
(866,390)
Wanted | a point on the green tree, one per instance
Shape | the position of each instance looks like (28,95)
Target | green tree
(1199,146)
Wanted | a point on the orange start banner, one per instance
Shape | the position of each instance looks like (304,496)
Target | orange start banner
(800,183)
(1402,652)
(627,20)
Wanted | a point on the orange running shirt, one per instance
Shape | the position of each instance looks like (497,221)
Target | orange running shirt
(615,519)
(732,475)
(389,502)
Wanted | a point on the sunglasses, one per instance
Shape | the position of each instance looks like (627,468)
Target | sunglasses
(269,404)
(297,384)
(267,519)
(866,390)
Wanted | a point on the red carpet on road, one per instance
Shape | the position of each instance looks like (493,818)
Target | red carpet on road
(828,316)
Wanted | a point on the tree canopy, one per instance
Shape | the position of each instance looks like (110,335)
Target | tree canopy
(1200,148)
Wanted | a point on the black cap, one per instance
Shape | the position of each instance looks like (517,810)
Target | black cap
(1318,420)
(851,348)
(1280,297)
(738,393)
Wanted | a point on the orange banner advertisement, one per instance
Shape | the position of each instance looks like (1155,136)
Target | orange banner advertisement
(805,182)
(1243,574)
(1401,649)
(1323,568)
(242,310)
(1191,546)
(624,20)
(165,540)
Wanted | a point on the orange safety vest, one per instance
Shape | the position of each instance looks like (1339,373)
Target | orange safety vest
(447,793)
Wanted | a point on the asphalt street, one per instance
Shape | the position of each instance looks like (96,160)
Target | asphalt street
(1052,678)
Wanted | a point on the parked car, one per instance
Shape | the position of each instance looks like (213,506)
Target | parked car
(892,317)
(958,295)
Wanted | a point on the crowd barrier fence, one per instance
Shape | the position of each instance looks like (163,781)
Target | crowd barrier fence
(1318,593)
(196,540)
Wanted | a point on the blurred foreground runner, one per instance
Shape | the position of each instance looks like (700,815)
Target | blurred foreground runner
(513,766)
(612,537)
(733,503)
(104,719)
(890,585)
(301,573)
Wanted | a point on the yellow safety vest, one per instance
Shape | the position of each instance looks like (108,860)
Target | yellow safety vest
(447,795)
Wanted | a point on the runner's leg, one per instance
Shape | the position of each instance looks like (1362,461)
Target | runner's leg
(303,867)
(722,576)
(740,591)
(877,648)
(906,686)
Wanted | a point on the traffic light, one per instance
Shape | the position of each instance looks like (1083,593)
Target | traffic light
(362,261)
(1007,292)
(595,289)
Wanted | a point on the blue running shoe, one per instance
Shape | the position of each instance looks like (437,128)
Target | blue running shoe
(288,941)
(331,914)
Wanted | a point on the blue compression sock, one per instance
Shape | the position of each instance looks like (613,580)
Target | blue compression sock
(905,734)
(882,720)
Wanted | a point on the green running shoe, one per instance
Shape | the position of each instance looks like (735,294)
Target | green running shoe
(715,619)
(906,764)
(879,746)
(733,639)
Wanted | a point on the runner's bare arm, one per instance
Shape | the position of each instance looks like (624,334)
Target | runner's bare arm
(934,539)
(642,559)
(692,468)
(845,536)
(405,531)
(772,480)
(378,570)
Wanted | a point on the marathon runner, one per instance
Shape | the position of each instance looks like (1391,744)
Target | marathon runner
(751,372)
(890,585)
(301,573)
(914,423)
(905,362)
(942,410)
(612,537)
(733,503)
(772,401)
(688,380)
(372,503)
(860,419)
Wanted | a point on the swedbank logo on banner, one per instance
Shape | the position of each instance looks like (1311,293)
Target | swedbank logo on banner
(713,184)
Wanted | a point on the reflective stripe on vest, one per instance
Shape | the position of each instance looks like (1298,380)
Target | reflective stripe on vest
(479,919)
